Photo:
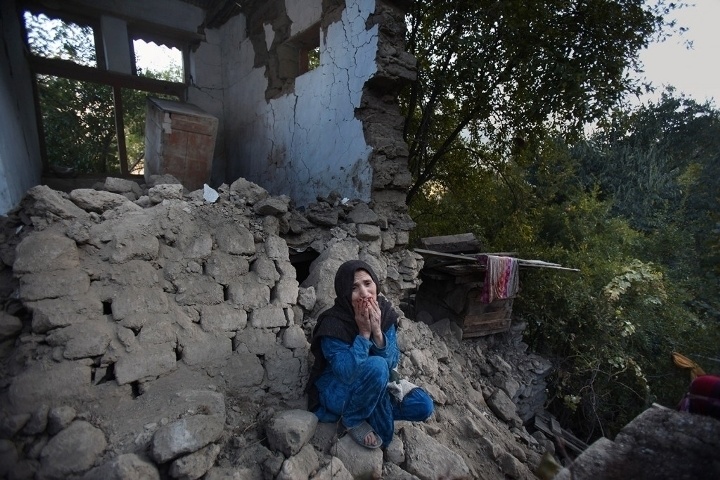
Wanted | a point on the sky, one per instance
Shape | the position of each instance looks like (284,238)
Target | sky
(695,71)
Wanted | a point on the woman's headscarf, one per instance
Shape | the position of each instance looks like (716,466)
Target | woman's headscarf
(339,320)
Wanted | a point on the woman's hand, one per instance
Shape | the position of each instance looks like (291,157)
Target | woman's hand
(362,317)
(375,317)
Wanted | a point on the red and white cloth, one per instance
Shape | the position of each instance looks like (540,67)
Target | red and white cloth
(501,278)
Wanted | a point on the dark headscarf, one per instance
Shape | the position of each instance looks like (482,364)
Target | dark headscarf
(339,320)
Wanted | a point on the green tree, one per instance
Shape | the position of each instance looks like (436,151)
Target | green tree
(499,74)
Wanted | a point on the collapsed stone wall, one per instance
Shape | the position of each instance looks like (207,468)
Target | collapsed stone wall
(165,334)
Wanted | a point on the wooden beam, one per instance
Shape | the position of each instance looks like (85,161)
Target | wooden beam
(68,69)
(473,257)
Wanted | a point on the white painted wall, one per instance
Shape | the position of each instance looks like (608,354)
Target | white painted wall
(307,143)
(20,162)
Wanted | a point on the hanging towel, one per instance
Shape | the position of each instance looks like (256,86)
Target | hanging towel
(501,278)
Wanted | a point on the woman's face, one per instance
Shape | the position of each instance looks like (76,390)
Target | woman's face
(363,286)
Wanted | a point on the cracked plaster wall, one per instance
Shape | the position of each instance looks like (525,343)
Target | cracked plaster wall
(307,142)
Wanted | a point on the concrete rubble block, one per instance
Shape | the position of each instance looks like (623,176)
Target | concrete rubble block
(59,418)
(306,297)
(300,465)
(285,291)
(46,251)
(272,206)
(361,462)
(428,459)
(53,284)
(165,191)
(126,466)
(72,451)
(205,349)
(52,384)
(122,185)
(10,425)
(507,384)
(427,364)
(276,248)
(388,240)
(196,464)
(10,326)
(289,431)
(133,243)
(158,329)
(402,238)
(335,470)
(503,407)
(252,192)
(132,300)
(284,371)
(230,473)
(199,246)
(270,316)
(294,337)
(136,273)
(368,232)
(256,340)
(162,179)
(38,421)
(235,239)
(138,321)
(199,290)
(223,317)
(286,268)
(659,443)
(99,201)
(511,466)
(51,201)
(324,267)
(243,370)
(362,214)
(82,340)
(390,470)
(8,457)
(148,362)
(395,452)
(265,270)
(186,435)
(324,218)
(379,265)
(297,223)
(249,292)
(225,268)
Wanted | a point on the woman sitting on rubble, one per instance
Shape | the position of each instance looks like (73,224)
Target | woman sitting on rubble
(355,349)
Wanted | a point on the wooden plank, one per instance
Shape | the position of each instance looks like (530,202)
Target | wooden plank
(464,242)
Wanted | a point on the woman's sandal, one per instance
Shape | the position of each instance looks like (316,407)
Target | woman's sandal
(359,432)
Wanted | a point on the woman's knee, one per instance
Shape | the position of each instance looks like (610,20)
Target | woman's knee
(417,406)
(375,369)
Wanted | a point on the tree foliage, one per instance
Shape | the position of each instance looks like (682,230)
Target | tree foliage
(648,281)
(496,74)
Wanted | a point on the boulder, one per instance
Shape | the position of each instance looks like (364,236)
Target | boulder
(72,451)
(430,460)
(127,466)
(290,430)
(186,435)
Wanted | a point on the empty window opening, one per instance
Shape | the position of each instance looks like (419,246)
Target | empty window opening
(58,39)
(93,120)
(158,61)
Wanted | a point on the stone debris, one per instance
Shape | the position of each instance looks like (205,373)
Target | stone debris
(150,333)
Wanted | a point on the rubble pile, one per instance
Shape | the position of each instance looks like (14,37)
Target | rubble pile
(150,332)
